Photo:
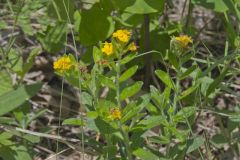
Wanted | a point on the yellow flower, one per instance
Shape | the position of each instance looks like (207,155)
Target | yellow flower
(63,64)
(115,114)
(184,40)
(132,47)
(122,35)
(107,48)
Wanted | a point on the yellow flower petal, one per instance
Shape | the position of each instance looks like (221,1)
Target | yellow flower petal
(132,47)
(115,114)
(107,48)
(62,64)
(184,40)
(122,35)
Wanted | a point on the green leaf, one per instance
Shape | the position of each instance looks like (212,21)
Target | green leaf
(104,106)
(28,12)
(185,113)
(15,61)
(145,155)
(151,122)
(188,91)
(8,121)
(25,23)
(5,135)
(18,65)
(131,90)
(186,57)
(73,121)
(194,144)
(178,151)
(218,6)
(96,54)
(22,153)
(188,71)
(3,24)
(165,78)
(172,57)
(30,60)
(140,6)
(110,151)
(104,127)
(21,114)
(132,109)
(87,99)
(128,58)
(128,73)
(218,62)
(94,25)
(230,29)
(15,98)
(30,138)
(6,82)
(219,140)
(129,111)
(92,114)
(105,81)
(216,82)
(159,139)
(130,20)
(54,38)
(233,7)
(155,95)
(235,118)
(61,10)
(14,153)
(39,113)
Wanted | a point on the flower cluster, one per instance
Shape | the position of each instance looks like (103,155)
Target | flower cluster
(122,35)
(107,48)
(132,47)
(183,40)
(115,114)
(63,64)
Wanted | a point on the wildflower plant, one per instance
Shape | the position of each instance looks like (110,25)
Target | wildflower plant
(110,112)
(118,119)
(180,44)
(123,120)
(63,64)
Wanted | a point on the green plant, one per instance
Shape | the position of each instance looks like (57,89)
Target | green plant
(144,92)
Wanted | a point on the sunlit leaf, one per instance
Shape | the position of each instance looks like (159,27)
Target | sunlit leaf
(15,98)
(128,73)
(131,90)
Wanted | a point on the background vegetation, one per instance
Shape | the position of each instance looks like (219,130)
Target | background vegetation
(162,101)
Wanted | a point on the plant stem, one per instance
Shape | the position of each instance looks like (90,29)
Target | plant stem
(79,80)
(148,62)
(126,142)
(60,115)
(118,70)
(188,16)
(123,132)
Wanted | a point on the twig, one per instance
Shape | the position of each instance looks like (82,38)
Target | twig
(50,136)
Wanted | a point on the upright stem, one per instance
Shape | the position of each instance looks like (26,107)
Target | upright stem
(118,70)
(79,80)
(123,132)
(189,14)
(148,63)
(60,115)
(126,142)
